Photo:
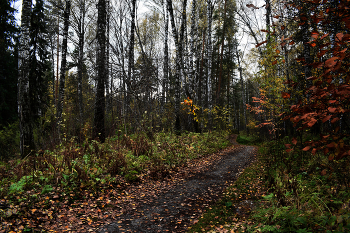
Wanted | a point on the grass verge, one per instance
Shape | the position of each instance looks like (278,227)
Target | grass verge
(284,192)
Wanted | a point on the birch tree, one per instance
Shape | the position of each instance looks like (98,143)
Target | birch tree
(210,7)
(178,45)
(63,64)
(166,53)
(26,130)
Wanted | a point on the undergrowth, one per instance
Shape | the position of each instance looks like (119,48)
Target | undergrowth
(121,160)
(284,192)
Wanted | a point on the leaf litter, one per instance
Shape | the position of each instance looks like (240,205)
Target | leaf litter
(172,204)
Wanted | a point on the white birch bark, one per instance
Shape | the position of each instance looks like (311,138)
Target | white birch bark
(63,64)
(166,54)
(26,131)
(210,52)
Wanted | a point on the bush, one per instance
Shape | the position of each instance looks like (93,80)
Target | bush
(9,141)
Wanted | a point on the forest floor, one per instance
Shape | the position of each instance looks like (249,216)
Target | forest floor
(174,205)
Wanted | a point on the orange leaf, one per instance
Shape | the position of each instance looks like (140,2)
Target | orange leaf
(294,141)
(339,36)
(331,109)
(335,120)
(312,122)
(325,151)
(306,148)
(274,62)
(314,151)
(322,37)
(314,34)
(331,62)
(326,118)
(285,95)
(331,145)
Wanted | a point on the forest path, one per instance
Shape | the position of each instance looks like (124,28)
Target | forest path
(174,207)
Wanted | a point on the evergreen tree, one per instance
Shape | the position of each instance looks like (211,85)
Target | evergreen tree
(8,65)
(39,65)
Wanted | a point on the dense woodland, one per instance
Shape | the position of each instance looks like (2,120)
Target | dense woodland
(86,72)
(88,69)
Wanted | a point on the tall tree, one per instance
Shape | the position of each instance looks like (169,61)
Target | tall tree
(131,48)
(39,65)
(8,66)
(179,52)
(63,63)
(26,130)
(99,118)
(210,7)
(166,53)
(81,33)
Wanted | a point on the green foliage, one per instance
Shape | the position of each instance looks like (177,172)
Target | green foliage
(18,187)
(96,165)
(9,141)
(248,140)
(46,189)
(8,64)
(307,196)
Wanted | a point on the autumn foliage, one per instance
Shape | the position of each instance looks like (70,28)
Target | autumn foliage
(326,103)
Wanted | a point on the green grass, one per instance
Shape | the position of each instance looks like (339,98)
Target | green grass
(247,139)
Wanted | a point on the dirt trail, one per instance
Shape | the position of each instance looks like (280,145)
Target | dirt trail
(174,209)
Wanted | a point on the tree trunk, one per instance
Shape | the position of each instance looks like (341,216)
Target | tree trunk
(99,119)
(131,51)
(108,77)
(267,20)
(210,52)
(166,54)
(218,94)
(178,45)
(200,77)
(63,65)
(26,131)
(193,35)
(242,86)
(81,33)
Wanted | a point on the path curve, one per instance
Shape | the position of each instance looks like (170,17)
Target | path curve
(174,210)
